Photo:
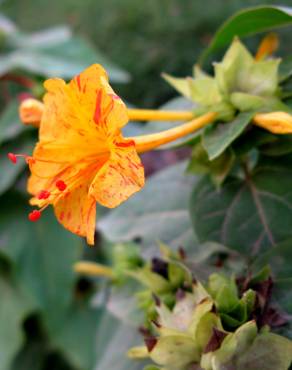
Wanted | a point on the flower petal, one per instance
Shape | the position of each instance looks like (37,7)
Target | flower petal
(76,211)
(120,177)
(275,122)
(84,111)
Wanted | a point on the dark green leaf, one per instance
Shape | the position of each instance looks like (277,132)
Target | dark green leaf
(15,305)
(113,342)
(76,337)
(219,137)
(157,212)
(268,352)
(246,214)
(281,145)
(285,69)
(55,52)
(279,258)
(43,254)
(248,22)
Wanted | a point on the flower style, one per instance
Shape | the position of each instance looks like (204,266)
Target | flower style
(81,157)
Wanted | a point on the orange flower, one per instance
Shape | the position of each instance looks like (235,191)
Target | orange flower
(81,157)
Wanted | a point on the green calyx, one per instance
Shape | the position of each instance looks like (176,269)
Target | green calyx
(240,83)
(210,326)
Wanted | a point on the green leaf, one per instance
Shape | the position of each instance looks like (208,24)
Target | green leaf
(285,69)
(281,145)
(11,171)
(268,352)
(43,254)
(79,326)
(56,52)
(279,258)
(249,214)
(248,22)
(113,341)
(15,305)
(157,212)
(218,168)
(219,137)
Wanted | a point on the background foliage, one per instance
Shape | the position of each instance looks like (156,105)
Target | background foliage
(47,317)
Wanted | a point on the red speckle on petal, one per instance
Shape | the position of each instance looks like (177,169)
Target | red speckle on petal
(62,216)
(34,216)
(126,144)
(78,82)
(97,112)
(61,185)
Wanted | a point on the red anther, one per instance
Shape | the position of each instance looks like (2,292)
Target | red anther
(61,185)
(44,194)
(12,157)
(34,215)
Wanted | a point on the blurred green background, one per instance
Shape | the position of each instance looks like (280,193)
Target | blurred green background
(143,37)
(46,319)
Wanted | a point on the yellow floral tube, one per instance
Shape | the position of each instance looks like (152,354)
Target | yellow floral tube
(275,122)
(93,269)
(145,143)
(159,115)
(31,111)
(268,46)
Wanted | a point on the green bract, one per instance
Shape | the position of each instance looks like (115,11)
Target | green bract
(240,82)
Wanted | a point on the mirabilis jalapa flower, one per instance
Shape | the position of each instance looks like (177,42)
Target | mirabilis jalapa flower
(81,157)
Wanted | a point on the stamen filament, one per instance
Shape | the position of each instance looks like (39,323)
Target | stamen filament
(93,269)
(145,143)
(159,115)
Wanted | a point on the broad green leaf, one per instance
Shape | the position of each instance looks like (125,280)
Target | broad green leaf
(43,254)
(285,69)
(55,52)
(219,137)
(31,356)
(113,341)
(15,305)
(76,337)
(218,168)
(10,125)
(122,303)
(279,258)
(10,171)
(157,212)
(249,214)
(281,145)
(268,352)
(248,22)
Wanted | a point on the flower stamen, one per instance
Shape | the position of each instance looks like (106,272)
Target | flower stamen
(60,184)
(34,216)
